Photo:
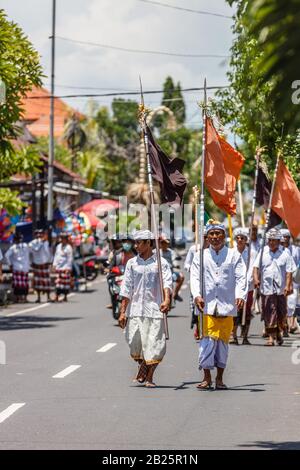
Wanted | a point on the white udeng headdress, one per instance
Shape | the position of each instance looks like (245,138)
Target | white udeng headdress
(143,235)
(240,231)
(274,234)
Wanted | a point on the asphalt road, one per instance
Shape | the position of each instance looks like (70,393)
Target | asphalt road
(67,384)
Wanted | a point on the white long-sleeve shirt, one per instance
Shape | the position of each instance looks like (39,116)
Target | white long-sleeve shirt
(63,257)
(40,251)
(224,280)
(295,252)
(17,257)
(189,258)
(141,286)
(244,255)
(274,267)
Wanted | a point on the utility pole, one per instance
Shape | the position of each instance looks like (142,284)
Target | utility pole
(51,134)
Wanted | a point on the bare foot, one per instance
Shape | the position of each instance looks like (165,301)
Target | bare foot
(142,373)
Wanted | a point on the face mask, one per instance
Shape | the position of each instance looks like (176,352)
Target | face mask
(126,246)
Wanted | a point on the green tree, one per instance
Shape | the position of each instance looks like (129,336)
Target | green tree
(120,133)
(276,25)
(125,121)
(173,99)
(248,106)
(20,69)
(178,106)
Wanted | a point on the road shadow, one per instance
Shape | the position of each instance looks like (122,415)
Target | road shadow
(26,322)
(286,344)
(271,445)
(237,388)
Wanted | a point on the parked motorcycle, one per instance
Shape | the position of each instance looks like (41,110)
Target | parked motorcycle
(87,267)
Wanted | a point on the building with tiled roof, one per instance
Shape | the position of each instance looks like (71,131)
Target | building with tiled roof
(36,113)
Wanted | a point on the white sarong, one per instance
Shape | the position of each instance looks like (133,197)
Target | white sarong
(146,339)
(292,302)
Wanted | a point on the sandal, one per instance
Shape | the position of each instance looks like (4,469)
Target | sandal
(234,341)
(270,343)
(204,385)
(246,341)
(221,387)
(150,385)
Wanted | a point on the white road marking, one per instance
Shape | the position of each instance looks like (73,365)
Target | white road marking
(65,372)
(107,347)
(10,410)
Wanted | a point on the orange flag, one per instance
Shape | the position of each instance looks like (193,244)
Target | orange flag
(223,165)
(286,199)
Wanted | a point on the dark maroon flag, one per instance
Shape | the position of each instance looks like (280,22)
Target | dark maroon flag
(264,187)
(167,172)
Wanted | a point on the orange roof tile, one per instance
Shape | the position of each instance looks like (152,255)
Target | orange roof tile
(37,113)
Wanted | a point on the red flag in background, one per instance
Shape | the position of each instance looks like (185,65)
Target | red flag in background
(223,166)
(286,199)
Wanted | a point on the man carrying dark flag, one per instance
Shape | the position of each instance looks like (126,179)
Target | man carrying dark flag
(142,307)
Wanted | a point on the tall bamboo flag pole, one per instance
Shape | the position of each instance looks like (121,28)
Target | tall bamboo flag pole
(204,142)
(142,115)
(257,157)
(230,229)
(240,194)
(196,196)
(241,202)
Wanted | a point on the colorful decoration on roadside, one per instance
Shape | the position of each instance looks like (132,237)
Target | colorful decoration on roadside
(7,226)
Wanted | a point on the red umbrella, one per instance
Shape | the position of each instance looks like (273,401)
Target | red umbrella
(99,206)
(93,220)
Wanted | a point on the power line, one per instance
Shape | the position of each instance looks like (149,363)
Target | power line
(199,12)
(131,93)
(141,51)
(90,87)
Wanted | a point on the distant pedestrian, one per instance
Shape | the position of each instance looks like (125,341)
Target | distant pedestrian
(41,264)
(273,276)
(17,257)
(241,238)
(62,263)
(187,266)
(170,256)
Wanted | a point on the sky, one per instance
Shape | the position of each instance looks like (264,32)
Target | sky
(132,24)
